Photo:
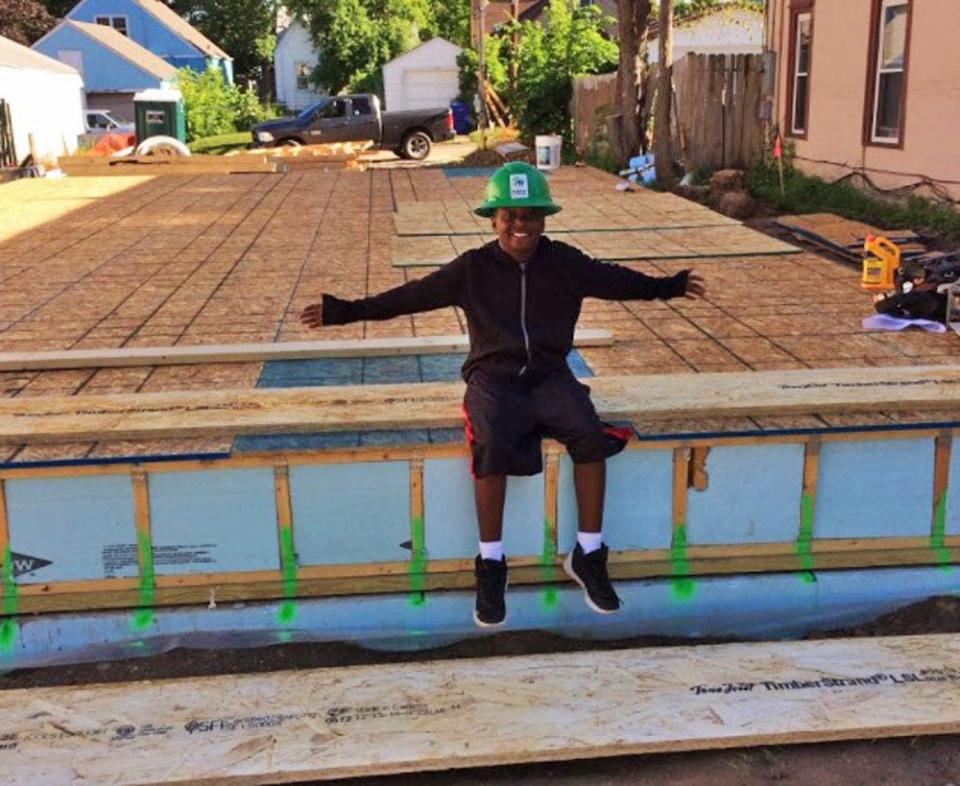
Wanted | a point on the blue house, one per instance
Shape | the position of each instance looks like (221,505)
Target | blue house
(154,26)
(113,66)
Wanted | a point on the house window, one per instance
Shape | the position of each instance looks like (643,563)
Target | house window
(118,23)
(888,72)
(302,72)
(800,51)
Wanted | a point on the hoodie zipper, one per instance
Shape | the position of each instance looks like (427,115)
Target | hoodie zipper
(523,316)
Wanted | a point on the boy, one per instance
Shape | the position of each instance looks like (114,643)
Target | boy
(522,295)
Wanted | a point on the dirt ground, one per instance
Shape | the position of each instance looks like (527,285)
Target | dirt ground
(914,761)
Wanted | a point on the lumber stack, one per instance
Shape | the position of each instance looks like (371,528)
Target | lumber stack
(182,414)
(100,166)
(336,155)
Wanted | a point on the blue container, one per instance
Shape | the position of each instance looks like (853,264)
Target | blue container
(461,117)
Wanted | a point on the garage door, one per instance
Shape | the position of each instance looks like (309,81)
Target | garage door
(428,88)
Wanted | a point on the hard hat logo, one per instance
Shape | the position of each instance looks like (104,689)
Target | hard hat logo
(519,187)
(517,184)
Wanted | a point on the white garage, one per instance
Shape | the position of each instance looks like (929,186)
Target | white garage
(425,77)
(45,98)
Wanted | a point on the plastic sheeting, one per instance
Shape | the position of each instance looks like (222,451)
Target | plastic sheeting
(762,606)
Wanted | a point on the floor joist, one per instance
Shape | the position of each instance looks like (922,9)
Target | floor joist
(241,353)
(298,410)
(373,720)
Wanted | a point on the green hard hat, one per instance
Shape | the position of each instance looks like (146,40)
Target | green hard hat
(517,184)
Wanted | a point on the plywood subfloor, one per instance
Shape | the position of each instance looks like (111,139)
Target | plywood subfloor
(373,720)
(614,213)
(227,259)
(843,236)
(710,242)
(28,204)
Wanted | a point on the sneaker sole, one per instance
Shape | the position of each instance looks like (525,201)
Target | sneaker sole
(568,569)
(481,624)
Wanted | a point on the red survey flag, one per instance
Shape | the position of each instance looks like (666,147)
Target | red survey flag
(777,148)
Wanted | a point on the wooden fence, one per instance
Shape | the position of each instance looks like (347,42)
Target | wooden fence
(718,101)
(717,110)
(594,98)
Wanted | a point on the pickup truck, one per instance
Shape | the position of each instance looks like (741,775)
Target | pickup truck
(358,118)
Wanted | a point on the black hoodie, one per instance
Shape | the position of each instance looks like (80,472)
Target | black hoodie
(521,317)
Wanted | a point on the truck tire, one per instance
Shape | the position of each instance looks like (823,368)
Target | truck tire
(416,146)
(290,141)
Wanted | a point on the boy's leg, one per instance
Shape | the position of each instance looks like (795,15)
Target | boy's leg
(566,412)
(503,441)
(590,481)
(490,493)
(490,566)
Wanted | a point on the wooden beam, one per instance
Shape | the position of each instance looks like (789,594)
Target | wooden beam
(297,410)
(243,353)
(366,721)
(681,563)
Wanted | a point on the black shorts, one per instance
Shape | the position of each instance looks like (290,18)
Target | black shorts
(506,419)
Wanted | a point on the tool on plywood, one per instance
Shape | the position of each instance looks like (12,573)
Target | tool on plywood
(881,264)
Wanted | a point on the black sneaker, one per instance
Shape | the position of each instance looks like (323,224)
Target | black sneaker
(491,610)
(590,572)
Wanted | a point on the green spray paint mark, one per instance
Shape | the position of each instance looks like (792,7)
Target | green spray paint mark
(937,538)
(803,546)
(548,598)
(288,565)
(418,563)
(143,617)
(10,627)
(681,585)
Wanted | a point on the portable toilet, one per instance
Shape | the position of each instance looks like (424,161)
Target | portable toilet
(159,112)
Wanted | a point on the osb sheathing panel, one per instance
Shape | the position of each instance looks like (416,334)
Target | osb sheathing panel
(231,259)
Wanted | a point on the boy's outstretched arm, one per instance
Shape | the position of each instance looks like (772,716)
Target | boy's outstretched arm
(441,288)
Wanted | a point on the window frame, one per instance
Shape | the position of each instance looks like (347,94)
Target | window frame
(108,20)
(798,9)
(305,76)
(872,92)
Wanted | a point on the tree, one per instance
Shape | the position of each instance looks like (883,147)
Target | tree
(661,123)
(244,29)
(567,44)
(214,107)
(58,8)
(453,21)
(354,38)
(24,21)
(626,124)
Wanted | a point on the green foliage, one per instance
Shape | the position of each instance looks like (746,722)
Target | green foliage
(244,29)
(691,9)
(217,145)
(496,54)
(805,194)
(354,38)
(567,44)
(214,107)
(453,21)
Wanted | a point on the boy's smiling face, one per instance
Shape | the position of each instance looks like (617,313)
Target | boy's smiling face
(518,230)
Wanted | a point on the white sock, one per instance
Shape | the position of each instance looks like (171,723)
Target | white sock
(589,541)
(491,549)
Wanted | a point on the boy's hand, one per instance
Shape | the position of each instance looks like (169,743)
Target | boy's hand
(696,289)
(312,315)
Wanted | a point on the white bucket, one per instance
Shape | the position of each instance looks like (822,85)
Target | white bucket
(548,151)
